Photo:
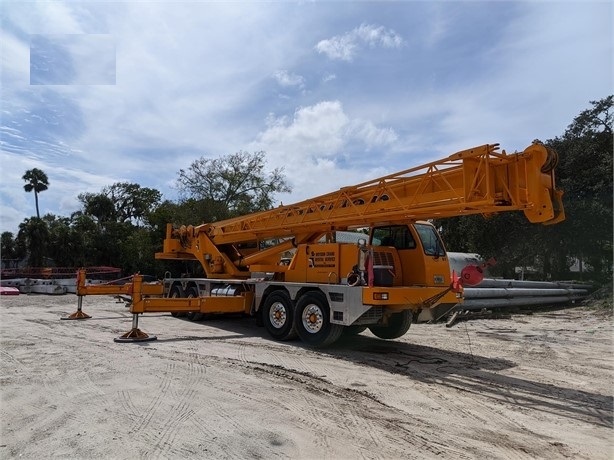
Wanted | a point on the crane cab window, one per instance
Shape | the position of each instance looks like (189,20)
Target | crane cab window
(398,236)
(430,240)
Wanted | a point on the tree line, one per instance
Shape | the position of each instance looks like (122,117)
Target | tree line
(124,225)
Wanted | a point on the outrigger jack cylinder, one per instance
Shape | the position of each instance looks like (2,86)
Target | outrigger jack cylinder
(135,334)
(78,314)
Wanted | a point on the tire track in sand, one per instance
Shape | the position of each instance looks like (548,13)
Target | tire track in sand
(321,405)
(171,413)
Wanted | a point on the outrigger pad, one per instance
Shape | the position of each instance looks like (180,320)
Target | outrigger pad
(77,315)
(135,335)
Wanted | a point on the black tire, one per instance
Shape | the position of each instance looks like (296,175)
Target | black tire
(193,315)
(350,331)
(398,325)
(176,293)
(312,320)
(278,316)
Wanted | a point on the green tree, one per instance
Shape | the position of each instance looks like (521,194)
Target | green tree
(585,174)
(98,206)
(137,253)
(36,181)
(8,246)
(237,182)
(85,232)
(118,213)
(65,242)
(188,211)
(132,202)
(34,234)
(121,202)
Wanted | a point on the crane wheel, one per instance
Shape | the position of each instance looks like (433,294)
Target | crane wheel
(398,325)
(312,320)
(278,316)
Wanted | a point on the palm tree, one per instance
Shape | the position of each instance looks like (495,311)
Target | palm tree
(37,181)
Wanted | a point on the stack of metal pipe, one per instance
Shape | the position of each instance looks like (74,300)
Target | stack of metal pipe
(498,293)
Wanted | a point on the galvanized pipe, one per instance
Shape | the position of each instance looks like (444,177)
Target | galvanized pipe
(508,283)
(485,293)
(478,304)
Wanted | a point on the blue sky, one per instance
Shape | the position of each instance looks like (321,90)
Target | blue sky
(95,93)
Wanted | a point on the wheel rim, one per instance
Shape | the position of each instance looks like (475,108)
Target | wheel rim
(278,315)
(313,318)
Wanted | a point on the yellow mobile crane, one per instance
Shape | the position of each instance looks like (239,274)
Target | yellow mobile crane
(326,288)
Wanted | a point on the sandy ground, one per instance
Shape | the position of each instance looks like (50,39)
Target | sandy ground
(533,386)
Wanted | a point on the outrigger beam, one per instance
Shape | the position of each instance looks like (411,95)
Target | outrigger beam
(107,289)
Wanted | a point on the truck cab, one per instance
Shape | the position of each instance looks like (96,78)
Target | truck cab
(421,252)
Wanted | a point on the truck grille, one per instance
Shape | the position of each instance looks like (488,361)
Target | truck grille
(383,258)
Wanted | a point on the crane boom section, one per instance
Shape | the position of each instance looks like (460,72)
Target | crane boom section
(478,180)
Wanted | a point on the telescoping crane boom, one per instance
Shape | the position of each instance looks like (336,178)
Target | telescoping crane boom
(326,287)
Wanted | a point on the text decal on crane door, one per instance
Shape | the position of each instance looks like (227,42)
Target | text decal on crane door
(324,259)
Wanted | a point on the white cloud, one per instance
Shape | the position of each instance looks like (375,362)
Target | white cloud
(345,47)
(322,130)
(322,148)
(328,77)
(370,134)
(284,78)
(318,129)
